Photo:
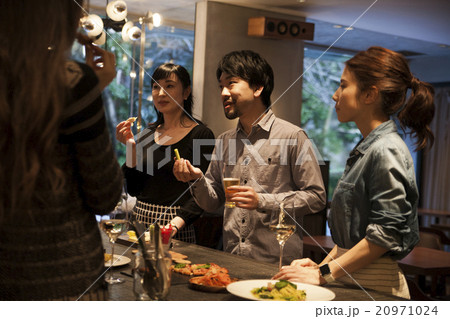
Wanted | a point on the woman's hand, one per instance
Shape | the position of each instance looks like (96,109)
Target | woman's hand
(124,133)
(308,275)
(244,196)
(103,63)
(185,172)
(304,262)
(301,270)
(177,223)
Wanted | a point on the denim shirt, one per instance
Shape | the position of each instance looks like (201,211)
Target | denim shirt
(376,197)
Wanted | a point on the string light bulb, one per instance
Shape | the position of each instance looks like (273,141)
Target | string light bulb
(100,39)
(134,33)
(117,10)
(126,27)
(92,24)
(157,19)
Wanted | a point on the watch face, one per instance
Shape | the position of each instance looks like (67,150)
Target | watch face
(324,270)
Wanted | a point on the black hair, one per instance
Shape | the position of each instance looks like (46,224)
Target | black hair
(251,67)
(163,72)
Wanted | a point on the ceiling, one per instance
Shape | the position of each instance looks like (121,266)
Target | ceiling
(414,27)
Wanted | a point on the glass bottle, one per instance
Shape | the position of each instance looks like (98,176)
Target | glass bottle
(157,280)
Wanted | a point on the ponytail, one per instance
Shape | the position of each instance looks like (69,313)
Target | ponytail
(419,112)
(389,72)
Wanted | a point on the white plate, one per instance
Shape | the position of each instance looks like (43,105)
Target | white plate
(118,261)
(243,289)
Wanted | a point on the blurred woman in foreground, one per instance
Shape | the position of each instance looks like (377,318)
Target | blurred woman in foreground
(57,168)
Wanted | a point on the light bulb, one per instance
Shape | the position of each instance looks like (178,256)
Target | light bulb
(93,25)
(126,27)
(157,19)
(117,10)
(133,74)
(134,33)
(100,40)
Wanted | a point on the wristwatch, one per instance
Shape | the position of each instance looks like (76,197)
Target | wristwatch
(325,272)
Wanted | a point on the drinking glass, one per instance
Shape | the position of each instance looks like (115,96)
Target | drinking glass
(114,224)
(229,179)
(283,224)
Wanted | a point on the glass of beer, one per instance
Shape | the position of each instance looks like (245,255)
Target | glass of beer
(229,179)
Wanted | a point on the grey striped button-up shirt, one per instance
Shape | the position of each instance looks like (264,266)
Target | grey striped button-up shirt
(278,161)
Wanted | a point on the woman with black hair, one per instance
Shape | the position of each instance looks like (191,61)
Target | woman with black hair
(160,197)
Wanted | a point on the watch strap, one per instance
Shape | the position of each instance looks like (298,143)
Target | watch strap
(325,272)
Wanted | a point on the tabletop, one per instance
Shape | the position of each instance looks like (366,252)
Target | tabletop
(433,212)
(435,218)
(426,261)
(421,261)
(240,267)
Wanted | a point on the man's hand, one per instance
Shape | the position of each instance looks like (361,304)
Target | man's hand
(185,172)
(244,197)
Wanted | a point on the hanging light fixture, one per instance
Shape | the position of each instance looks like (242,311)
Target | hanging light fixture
(100,39)
(92,24)
(151,19)
(117,10)
(134,33)
(157,19)
(126,27)
(116,19)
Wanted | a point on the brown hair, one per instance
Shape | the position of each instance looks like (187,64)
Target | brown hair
(35,37)
(389,72)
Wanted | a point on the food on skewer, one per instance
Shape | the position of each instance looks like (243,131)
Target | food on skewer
(132,120)
(177,154)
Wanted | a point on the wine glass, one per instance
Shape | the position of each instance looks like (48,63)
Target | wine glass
(114,224)
(283,224)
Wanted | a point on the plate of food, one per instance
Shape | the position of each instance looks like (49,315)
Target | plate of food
(118,260)
(266,289)
(207,277)
(190,269)
(213,281)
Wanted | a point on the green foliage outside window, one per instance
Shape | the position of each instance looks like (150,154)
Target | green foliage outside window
(333,139)
(163,44)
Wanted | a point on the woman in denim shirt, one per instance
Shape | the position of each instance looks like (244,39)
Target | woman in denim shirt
(373,217)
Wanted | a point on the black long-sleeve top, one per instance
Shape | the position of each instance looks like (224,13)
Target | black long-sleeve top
(156,184)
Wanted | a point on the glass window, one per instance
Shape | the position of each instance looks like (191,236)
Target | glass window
(121,97)
(334,140)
